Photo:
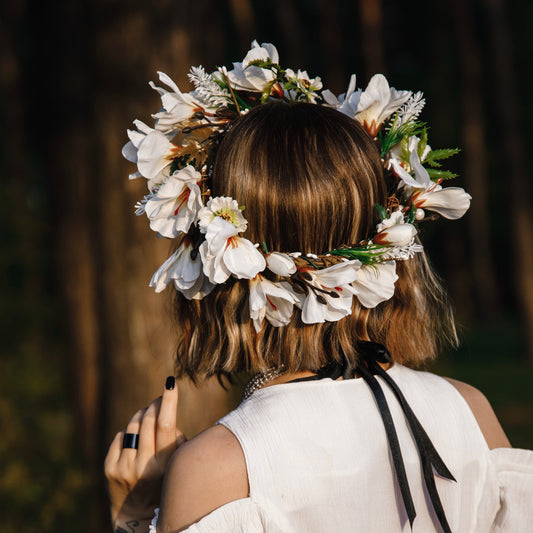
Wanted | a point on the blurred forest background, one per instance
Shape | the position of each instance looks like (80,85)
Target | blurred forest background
(85,342)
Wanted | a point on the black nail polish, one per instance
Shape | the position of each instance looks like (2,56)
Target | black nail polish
(170,383)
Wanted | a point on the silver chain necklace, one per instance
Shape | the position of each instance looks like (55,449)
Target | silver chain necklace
(260,380)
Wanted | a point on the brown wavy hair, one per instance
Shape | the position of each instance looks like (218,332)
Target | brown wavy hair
(308,177)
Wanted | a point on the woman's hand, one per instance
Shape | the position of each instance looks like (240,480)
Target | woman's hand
(135,476)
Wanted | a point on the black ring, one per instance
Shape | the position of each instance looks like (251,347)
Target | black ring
(131,440)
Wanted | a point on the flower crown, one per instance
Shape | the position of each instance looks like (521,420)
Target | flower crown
(176,157)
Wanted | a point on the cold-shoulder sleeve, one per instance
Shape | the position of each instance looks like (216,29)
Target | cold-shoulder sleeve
(507,502)
(239,516)
(513,473)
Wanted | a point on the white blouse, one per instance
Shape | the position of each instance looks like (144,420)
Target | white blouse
(318,460)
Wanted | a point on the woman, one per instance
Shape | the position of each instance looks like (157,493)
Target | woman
(337,432)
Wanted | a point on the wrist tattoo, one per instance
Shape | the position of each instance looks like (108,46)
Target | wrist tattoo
(132,524)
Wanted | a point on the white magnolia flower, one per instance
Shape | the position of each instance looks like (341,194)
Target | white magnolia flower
(177,106)
(451,202)
(185,272)
(347,102)
(306,87)
(224,254)
(395,218)
(396,154)
(130,149)
(377,103)
(175,205)
(395,232)
(375,283)
(330,296)
(271,301)
(248,77)
(225,208)
(152,151)
(399,235)
(280,264)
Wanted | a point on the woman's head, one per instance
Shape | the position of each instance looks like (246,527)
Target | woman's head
(308,178)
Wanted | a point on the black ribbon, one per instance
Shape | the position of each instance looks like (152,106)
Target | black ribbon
(373,354)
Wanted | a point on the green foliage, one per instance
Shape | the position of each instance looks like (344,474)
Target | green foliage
(412,214)
(239,103)
(394,135)
(266,91)
(423,142)
(437,175)
(264,63)
(435,156)
(382,211)
(368,255)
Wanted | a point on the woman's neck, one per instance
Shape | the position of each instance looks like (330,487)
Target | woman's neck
(289,376)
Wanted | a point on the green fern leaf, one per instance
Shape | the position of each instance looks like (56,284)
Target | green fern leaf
(438,155)
(383,213)
(396,135)
(437,175)
(423,142)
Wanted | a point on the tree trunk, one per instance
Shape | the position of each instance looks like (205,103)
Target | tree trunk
(121,336)
(372,32)
(486,291)
(515,163)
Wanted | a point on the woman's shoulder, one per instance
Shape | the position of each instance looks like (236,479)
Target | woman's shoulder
(204,474)
(472,398)
(483,413)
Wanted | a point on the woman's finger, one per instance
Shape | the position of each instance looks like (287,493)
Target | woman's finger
(165,438)
(113,454)
(133,427)
(180,437)
(147,431)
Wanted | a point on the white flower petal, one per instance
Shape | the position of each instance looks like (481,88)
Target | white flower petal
(243,259)
(375,283)
(142,127)
(201,288)
(399,235)
(175,205)
(180,268)
(163,275)
(154,154)
(129,152)
(270,300)
(224,207)
(421,174)
(217,234)
(280,264)
(377,103)
(250,77)
(213,266)
(403,174)
(337,275)
(451,202)
(313,312)
(395,218)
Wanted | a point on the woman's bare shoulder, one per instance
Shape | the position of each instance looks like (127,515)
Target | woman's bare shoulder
(484,414)
(204,473)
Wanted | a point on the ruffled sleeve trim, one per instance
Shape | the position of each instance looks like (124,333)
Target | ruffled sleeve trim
(513,470)
(239,516)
